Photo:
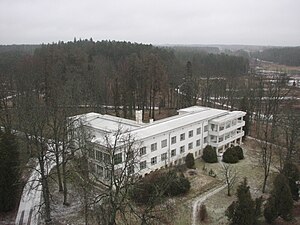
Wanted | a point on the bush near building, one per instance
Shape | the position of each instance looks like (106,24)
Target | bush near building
(190,161)
(239,152)
(157,185)
(233,154)
(229,156)
(209,155)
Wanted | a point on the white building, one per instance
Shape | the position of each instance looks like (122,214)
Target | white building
(163,142)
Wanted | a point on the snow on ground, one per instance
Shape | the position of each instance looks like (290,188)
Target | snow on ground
(28,212)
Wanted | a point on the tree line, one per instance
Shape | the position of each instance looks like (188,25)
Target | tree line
(289,56)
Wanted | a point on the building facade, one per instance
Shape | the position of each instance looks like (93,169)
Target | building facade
(161,143)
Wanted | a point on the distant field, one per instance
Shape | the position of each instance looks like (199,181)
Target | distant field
(278,67)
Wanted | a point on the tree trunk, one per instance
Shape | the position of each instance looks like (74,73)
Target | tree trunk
(60,187)
(45,188)
(65,189)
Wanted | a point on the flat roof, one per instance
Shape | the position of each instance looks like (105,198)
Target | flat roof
(108,123)
(146,130)
(229,116)
(174,122)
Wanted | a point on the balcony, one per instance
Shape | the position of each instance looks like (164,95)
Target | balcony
(228,140)
(226,130)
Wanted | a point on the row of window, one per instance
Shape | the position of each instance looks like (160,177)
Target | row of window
(164,156)
(164,142)
(143,150)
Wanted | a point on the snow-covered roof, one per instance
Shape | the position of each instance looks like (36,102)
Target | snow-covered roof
(106,123)
(174,122)
(192,109)
(229,116)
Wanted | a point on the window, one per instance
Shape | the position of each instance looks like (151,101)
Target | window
(198,142)
(190,133)
(92,153)
(205,140)
(118,158)
(143,151)
(173,140)
(182,149)
(153,160)
(130,154)
(163,156)
(164,143)
(221,127)
(212,127)
(106,158)
(130,169)
(199,130)
(206,128)
(99,171)
(143,165)
(107,174)
(173,152)
(190,145)
(182,137)
(92,168)
(99,156)
(154,147)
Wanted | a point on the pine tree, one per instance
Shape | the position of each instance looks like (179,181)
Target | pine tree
(283,197)
(9,171)
(291,172)
(243,211)
(270,211)
(281,202)
(190,161)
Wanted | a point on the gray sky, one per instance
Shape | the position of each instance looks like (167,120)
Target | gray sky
(255,22)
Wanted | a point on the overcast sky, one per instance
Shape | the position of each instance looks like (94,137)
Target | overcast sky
(255,22)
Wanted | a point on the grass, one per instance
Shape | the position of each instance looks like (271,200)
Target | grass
(179,212)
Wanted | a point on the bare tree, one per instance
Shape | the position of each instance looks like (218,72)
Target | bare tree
(230,176)
(267,121)
(119,163)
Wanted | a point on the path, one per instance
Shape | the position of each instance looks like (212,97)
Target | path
(200,199)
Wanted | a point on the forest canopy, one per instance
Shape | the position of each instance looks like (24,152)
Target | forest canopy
(110,73)
(289,56)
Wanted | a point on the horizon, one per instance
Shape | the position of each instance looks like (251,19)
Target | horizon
(167,22)
(159,44)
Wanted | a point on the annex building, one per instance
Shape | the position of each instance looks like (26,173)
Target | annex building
(160,143)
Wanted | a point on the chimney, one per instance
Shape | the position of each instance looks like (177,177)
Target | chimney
(138,116)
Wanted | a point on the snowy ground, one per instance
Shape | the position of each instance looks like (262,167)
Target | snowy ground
(28,212)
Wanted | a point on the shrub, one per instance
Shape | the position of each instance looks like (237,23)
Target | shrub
(291,172)
(209,155)
(230,156)
(239,152)
(153,187)
(203,213)
(283,197)
(212,173)
(190,161)
(177,186)
(270,212)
